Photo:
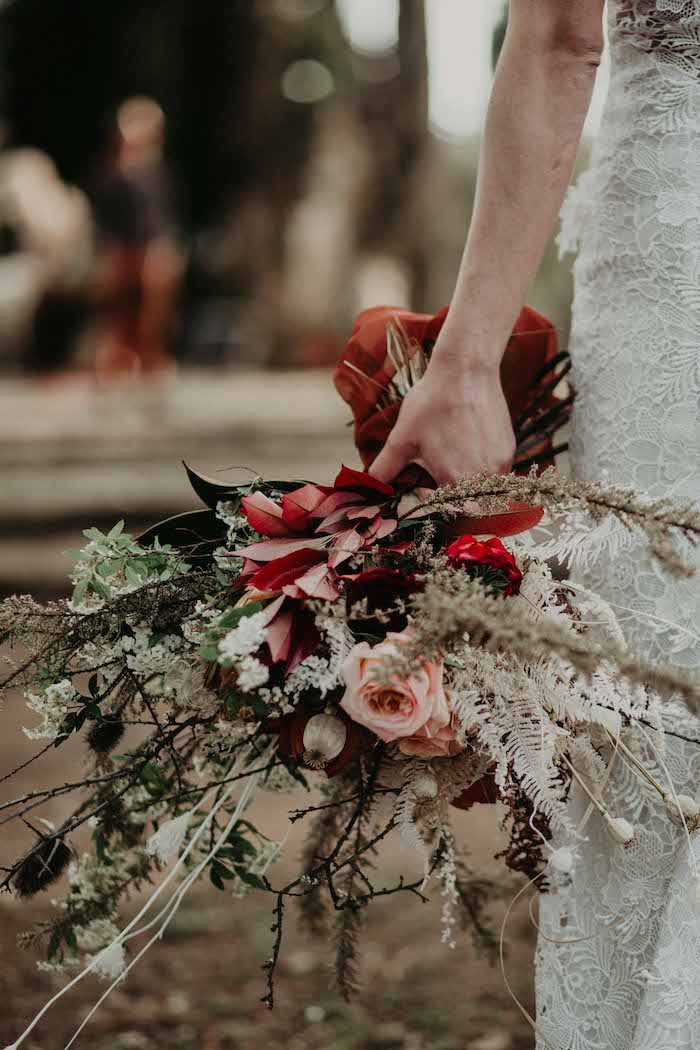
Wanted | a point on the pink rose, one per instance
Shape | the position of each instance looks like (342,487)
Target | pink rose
(413,711)
(442,744)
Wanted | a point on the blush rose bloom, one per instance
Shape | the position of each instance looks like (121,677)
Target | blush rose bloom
(412,712)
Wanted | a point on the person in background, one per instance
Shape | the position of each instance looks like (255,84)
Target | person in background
(139,261)
(47,256)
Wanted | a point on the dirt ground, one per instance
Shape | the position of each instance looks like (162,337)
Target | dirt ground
(199,988)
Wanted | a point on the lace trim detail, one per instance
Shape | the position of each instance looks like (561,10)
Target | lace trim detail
(669,30)
(627,979)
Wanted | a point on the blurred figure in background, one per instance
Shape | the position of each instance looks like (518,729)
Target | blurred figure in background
(47,258)
(140,263)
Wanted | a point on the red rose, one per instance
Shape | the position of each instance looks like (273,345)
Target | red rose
(488,559)
(382,589)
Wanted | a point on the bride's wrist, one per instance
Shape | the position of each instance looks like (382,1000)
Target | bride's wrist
(468,356)
(456,365)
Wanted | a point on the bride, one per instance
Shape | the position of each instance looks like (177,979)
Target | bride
(618,960)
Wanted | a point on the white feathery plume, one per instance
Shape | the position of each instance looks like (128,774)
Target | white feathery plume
(167,841)
(111,961)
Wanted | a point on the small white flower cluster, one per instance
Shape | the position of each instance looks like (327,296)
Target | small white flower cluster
(96,935)
(200,622)
(227,564)
(145,657)
(52,706)
(96,653)
(312,673)
(89,603)
(92,879)
(450,896)
(243,640)
(236,523)
(277,700)
(319,672)
(140,806)
(252,673)
(223,737)
(99,939)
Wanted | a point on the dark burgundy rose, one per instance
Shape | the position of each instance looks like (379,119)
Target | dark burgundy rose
(482,791)
(383,590)
(488,559)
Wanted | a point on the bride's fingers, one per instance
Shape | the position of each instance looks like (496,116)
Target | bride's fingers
(390,462)
(440,471)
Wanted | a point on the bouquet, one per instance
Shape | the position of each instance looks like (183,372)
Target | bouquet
(396,651)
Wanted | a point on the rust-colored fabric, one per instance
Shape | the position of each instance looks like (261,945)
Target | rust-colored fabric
(532,345)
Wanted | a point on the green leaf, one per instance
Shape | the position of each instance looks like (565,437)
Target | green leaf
(132,575)
(79,591)
(94,534)
(81,716)
(54,943)
(70,938)
(116,530)
(241,845)
(211,490)
(251,880)
(152,778)
(94,686)
(216,878)
(234,616)
(100,588)
(209,652)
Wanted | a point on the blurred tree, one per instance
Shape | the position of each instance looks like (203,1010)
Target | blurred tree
(395,112)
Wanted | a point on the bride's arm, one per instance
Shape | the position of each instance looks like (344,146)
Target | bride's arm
(455,421)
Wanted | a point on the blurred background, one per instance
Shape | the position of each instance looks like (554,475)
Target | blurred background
(196,198)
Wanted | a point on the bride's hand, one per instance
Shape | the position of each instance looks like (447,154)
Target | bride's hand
(453,425)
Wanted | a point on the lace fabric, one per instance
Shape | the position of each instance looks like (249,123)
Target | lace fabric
(628,977)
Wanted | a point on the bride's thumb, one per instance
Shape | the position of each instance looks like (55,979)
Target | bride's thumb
(389,463)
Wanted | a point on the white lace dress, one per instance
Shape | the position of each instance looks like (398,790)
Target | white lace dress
(618,959)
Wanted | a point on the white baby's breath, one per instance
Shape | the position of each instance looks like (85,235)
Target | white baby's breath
(243,640)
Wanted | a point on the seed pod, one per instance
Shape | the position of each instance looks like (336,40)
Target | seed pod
(424,785)
(324,739)
(619,829)
(685,805)
(41,867)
